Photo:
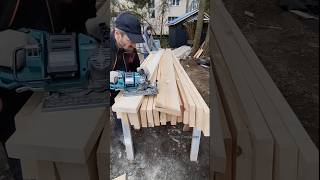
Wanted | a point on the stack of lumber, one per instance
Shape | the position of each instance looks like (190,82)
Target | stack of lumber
(178,100)
(182,52)
(199,52)
(257,136)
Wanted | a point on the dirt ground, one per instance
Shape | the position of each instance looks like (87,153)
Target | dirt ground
(288,46)
(162,153)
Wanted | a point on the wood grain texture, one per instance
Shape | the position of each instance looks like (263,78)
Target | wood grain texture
(308,153)
(167,100)
(242,151)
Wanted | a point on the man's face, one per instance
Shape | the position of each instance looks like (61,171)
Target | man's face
(124,42)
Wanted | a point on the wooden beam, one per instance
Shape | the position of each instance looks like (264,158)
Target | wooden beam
(143,112)
(261,135)
(202,109)
(219,151)
(150,111)
(167,99)
(242,151)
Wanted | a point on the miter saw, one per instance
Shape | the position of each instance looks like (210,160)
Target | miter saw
(70,68)
(133,83)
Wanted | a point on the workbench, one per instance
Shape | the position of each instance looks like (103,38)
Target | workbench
(56,145)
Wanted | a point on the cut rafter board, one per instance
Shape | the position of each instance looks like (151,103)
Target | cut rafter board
(286,152)
(202,109)
(219,151)
(40,137)
(167,99)
(235,116)
(308,152)
(263,142)
(123,177)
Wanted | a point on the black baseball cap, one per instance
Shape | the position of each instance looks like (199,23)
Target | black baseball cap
(130,24)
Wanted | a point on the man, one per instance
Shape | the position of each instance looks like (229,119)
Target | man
(149,44)
(124,37)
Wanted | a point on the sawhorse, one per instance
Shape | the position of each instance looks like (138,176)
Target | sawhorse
(195,142)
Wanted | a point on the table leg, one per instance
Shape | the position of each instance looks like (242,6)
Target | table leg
(127,139)
(195,143)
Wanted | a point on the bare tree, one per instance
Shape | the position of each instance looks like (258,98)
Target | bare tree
(163,8)
(198,32)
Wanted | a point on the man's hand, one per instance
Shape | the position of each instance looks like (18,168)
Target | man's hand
(113,77)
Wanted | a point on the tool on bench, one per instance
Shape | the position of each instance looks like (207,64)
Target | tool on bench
(70,68)
(133,83)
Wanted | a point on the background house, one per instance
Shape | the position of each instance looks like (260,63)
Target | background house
(181,29)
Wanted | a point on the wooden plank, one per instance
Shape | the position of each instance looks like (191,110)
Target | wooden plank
(179,119)
(225,132)
(156,114)
(123,177)
(286,152)
(188,104)
(163,118)
(143,112)
(135,118)
(173,120)
(242,150)
(46,170)
(199,53)
(308,152)
(219,151)
(103,150)
(83,171)
(167,99)
(261,135)
(29,168)
(202,109)
(228,141)
(41,137)
(150,111)
(190,98)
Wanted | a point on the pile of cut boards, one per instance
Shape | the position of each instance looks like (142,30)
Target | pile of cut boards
(256,134)
(178,100)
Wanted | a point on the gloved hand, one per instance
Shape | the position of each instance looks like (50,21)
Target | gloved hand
(143,70)
(114,76)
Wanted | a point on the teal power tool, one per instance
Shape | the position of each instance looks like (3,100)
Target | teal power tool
(69,67)
(133,83)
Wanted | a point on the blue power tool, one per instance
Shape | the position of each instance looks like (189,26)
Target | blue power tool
(133,83)
(64,64)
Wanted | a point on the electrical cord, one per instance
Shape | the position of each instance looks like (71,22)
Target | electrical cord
(13,16)
(50,15)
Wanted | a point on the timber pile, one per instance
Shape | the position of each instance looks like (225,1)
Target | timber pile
(182,52)
(257,136)
(178,100)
